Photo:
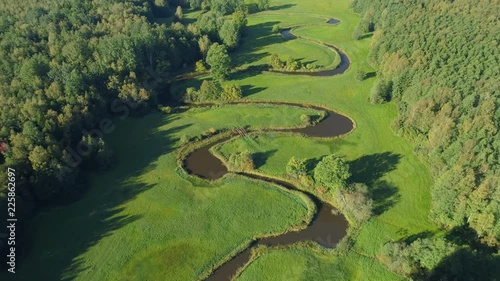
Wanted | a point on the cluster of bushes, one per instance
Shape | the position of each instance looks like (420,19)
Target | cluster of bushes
(66,68)
(220,26)
(290,64)
(212,91)
(381,92)
(436,258)
(241,161)
(214,21)
(416,257)
(331,175)
(263,4)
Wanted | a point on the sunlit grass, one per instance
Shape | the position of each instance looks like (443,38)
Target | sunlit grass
(143,221)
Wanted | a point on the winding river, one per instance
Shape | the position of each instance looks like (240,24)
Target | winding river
(327,226)
(340,69)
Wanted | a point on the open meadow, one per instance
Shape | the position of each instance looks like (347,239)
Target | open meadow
(145,219)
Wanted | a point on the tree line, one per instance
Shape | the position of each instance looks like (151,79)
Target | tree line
(439,62)
(67,67)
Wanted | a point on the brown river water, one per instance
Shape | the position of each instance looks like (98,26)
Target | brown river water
(327,226)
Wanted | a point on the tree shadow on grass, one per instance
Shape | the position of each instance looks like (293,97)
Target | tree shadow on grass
(253,8)
(384,195)
(281,7)
(369,169)
(311,164)
(464,235)
(370,75)
(467,264)
(245,58)
(259,36)
(308,62)
(422,235)
(260,158)
(367,35)
(250,71)
(473,261)
(58,236)
(249,90)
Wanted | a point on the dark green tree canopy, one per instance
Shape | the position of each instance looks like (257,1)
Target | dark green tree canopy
(219,61)
(332,172)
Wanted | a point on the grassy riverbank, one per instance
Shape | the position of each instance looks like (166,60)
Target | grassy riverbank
(397,179)
(143,221)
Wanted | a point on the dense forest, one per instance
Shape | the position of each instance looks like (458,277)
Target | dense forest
(440,62)
(67,66)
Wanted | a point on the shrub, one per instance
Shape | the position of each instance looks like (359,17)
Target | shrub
(354,201)
(358,34)
(306,180)
(209,90)
(276,62)
(332,172)
(276,28)
(241,161)
(165,109)
(178,14)
(306,119)
(200,67)
(231,92)
(360,75)
(205,6)
(380,92)
(296,167)
(184,139)
(191,95)
(263,4)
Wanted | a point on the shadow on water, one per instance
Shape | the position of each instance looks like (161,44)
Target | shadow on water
(58,236)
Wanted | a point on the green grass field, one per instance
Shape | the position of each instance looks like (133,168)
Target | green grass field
(260,43)
(304,263)
(143,221)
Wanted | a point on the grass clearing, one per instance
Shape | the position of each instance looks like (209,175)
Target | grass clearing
(305,263)
(260,43)
(142,221)
(139,217)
